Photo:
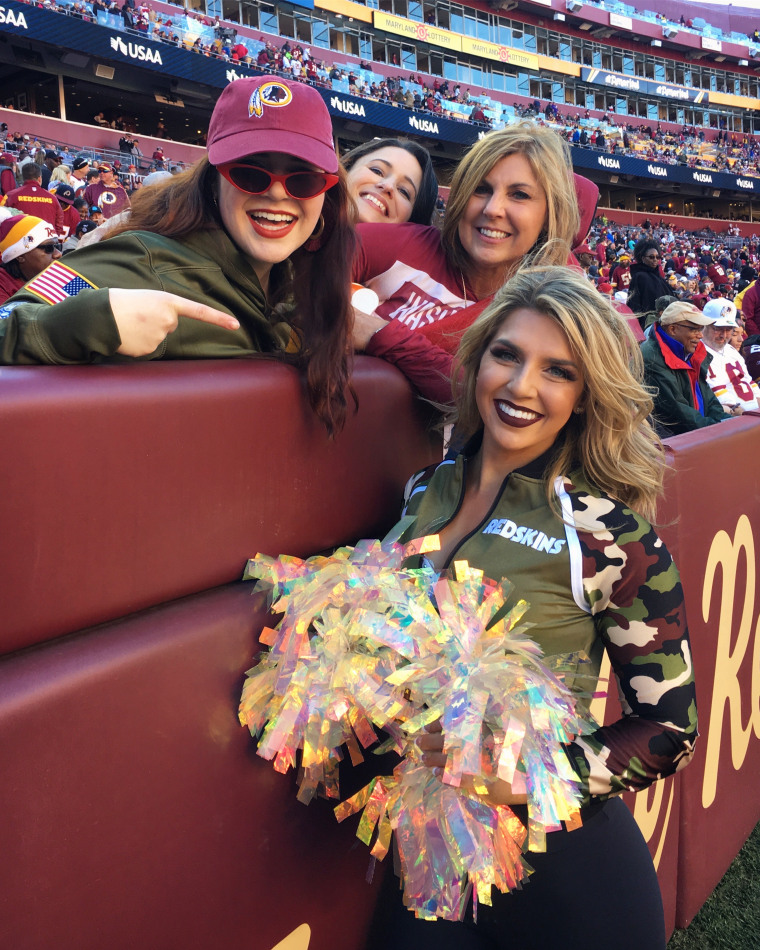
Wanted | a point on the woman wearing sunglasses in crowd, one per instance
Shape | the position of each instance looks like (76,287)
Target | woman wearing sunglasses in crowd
(247,252)
(391,181)
(647,282)
(27,246)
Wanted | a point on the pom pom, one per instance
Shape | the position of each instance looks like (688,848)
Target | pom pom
(365,644)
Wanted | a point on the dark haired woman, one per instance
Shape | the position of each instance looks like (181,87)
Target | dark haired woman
(247,252)
(391,181)
(647,282)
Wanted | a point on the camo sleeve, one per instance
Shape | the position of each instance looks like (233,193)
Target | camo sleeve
(634,592)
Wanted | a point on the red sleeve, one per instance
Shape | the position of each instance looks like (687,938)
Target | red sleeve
(381,245)
(426,366)
(58,217)
(446,334)
(751,310)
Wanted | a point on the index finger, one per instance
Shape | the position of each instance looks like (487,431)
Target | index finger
(204,313)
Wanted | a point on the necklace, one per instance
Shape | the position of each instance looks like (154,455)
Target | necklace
(464,288)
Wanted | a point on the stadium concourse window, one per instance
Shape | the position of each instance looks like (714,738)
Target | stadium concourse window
(249,15)
(230,11)
(345,41)
(268,20)
(296,26)
(321,34)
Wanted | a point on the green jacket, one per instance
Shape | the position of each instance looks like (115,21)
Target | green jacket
(600,580)
(205,267)
(671,377)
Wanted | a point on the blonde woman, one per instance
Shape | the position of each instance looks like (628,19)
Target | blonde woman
(61,173)
(554,488)
(512,200)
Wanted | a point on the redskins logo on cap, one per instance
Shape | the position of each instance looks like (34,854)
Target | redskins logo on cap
(271,93)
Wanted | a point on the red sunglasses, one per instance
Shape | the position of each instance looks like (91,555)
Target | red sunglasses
(255,181)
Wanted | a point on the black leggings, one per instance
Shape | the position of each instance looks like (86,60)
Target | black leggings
(593,888)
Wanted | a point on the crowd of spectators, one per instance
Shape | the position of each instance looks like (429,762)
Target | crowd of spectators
(697,298)
(696,265)
(709,149)
(74,193)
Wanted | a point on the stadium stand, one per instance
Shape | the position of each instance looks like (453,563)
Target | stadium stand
(674,98)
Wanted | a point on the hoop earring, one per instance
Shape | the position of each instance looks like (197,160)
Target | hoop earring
(315,239)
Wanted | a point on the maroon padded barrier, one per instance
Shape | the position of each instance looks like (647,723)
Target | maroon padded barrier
(717,503)
(693,841)
(135,812)
(138,814)
(128,486)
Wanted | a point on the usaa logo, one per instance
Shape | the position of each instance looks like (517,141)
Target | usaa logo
(136,51)
(272,93)
(347,107)
(12,18)
(423,125)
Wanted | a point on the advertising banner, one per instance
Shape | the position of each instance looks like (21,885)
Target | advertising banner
(398,119)
(504,54)
(668,90)
(109,45)
(417,32)
(642,168)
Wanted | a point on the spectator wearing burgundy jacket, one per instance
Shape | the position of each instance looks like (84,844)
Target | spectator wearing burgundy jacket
(751,309)
(32,198)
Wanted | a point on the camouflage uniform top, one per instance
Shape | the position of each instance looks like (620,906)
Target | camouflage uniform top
(601,580)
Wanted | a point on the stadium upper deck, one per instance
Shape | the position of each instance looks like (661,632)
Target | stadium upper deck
(604,63)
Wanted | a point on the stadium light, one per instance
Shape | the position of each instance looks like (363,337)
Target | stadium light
(656,42)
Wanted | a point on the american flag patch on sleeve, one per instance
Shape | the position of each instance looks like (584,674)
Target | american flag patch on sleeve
(57,282)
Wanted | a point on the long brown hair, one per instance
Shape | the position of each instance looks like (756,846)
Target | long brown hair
(317,283)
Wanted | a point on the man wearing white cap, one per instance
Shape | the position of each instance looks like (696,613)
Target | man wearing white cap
(675,367)
(727,373)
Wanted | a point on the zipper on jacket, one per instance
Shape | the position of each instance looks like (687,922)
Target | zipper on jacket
(480,524)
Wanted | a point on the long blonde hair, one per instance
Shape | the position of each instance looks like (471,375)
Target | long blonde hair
(611,439)
(60,173)
(549,158)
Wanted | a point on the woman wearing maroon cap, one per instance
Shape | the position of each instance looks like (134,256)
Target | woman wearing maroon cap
(247,252)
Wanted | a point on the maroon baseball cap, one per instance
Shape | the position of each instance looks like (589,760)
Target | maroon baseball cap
(263,114)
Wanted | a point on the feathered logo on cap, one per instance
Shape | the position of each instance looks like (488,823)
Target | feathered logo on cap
(271,93)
